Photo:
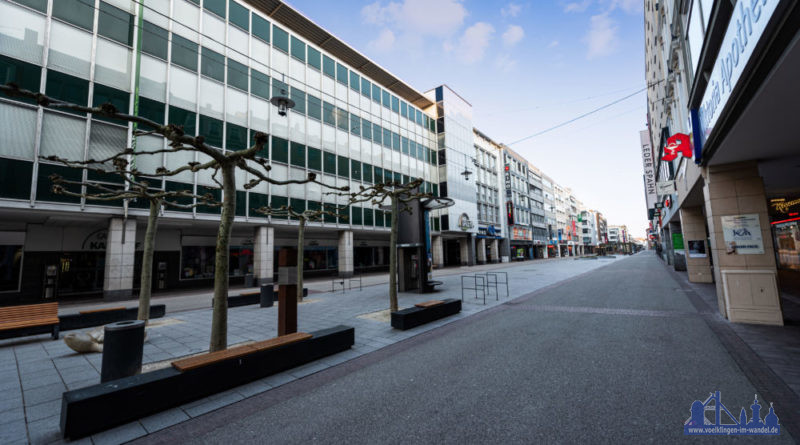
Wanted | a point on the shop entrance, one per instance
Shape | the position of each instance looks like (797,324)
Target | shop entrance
(452,252)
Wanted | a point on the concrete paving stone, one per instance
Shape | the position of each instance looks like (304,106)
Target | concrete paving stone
(63,363)
(40,380)
(12,415)
(44,431)
(308,369)
(120,434)
(35,366)
(10,383)
(11,400)
(278,379)
(163,419)
(77,374)
(212,403)
(253,388)
(83,383)
(43,410)
(43,394)
(14,432)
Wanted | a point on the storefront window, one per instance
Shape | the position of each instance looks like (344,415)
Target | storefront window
(10,267)
(787,241)
(197,262)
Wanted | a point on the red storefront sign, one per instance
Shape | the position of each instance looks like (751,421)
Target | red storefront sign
(678,143)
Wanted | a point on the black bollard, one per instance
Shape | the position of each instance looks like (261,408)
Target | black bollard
(123,344)
(266,295)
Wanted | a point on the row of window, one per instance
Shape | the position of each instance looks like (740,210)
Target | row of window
(15,183)
(73,89)
(118,25)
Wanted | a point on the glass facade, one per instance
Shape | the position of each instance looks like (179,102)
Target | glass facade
(211,69)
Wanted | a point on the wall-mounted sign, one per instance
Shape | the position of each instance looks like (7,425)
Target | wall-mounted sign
(649,169)
(784,206)
(742,234)
(510,212)
(747,24)
(677,241)
(508,180)
(464,223)
(678,143)
(697,248)
(521,233)
(666,187)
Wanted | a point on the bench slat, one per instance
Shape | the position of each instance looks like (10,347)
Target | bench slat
(236,352)
(28,315)
(430,303)
(249,294)
(106,309)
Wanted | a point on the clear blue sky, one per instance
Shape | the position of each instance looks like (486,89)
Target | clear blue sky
(525,66)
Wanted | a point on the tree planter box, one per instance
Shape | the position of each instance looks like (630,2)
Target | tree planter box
(102,317)
(415,316)
(97,408)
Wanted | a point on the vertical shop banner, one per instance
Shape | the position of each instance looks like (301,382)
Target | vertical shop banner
(742,234)
(649,168)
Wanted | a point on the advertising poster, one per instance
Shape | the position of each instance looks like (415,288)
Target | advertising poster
(697,248)
(742,234)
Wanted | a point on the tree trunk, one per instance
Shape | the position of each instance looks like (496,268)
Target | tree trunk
(301,231)
(219,317)
(146,283)
(393,258)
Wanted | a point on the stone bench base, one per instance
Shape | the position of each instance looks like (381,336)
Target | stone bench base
(415,316)
(97,408)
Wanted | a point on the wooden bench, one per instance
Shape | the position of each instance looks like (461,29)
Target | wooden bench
(431,303)
(199,361)
(29,319)
(106,309)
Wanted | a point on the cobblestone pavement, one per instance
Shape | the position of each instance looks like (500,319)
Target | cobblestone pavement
(35,371)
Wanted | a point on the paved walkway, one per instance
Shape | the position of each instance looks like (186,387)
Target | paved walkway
(35,371)
(616,355)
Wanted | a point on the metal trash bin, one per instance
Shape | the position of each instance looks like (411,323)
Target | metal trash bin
(123,344)
(267,297)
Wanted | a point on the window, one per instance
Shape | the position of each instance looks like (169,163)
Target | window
(280,39)
(378,218)
(240,16)
(395,141)
(366,129)
(151,109)
(387,138)
(260,28)
(280,150)
(115,24)
(215,6)
(376,93)
(299,98)
(26,75)
(213,64)
(329,162)
(329,113)
(155,40)
(356,218)
(404,145)
(235,137)
(376,133)
(104,94)
(341,74)
(314,159)
(386,99)
(78,12)
(366,86)
(298,49)
(277,202)
(11,265)
(395,104)
(368,220)
(403,109)
(237,75)
(341,119)
(211,129)
(328,66)
(39,5)
(298,154)
(354,79)
(67,88)
(366,173)
(355,169)
(344,166)
(314,107)
(184,52)
(179,116)
(378,175)
(314,58)
(260,84)
(197,262)
(355,125)
(15,178)
(279,88)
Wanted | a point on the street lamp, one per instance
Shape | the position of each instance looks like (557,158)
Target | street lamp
(283,102)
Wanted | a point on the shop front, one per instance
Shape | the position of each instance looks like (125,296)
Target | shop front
(487,246)
(521,243)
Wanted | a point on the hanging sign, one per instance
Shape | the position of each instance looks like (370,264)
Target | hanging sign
(678,143)
(666,187)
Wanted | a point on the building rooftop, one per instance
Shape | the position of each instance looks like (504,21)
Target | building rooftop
(303,26)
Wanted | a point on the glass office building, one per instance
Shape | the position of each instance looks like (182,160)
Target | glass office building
(210,66)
